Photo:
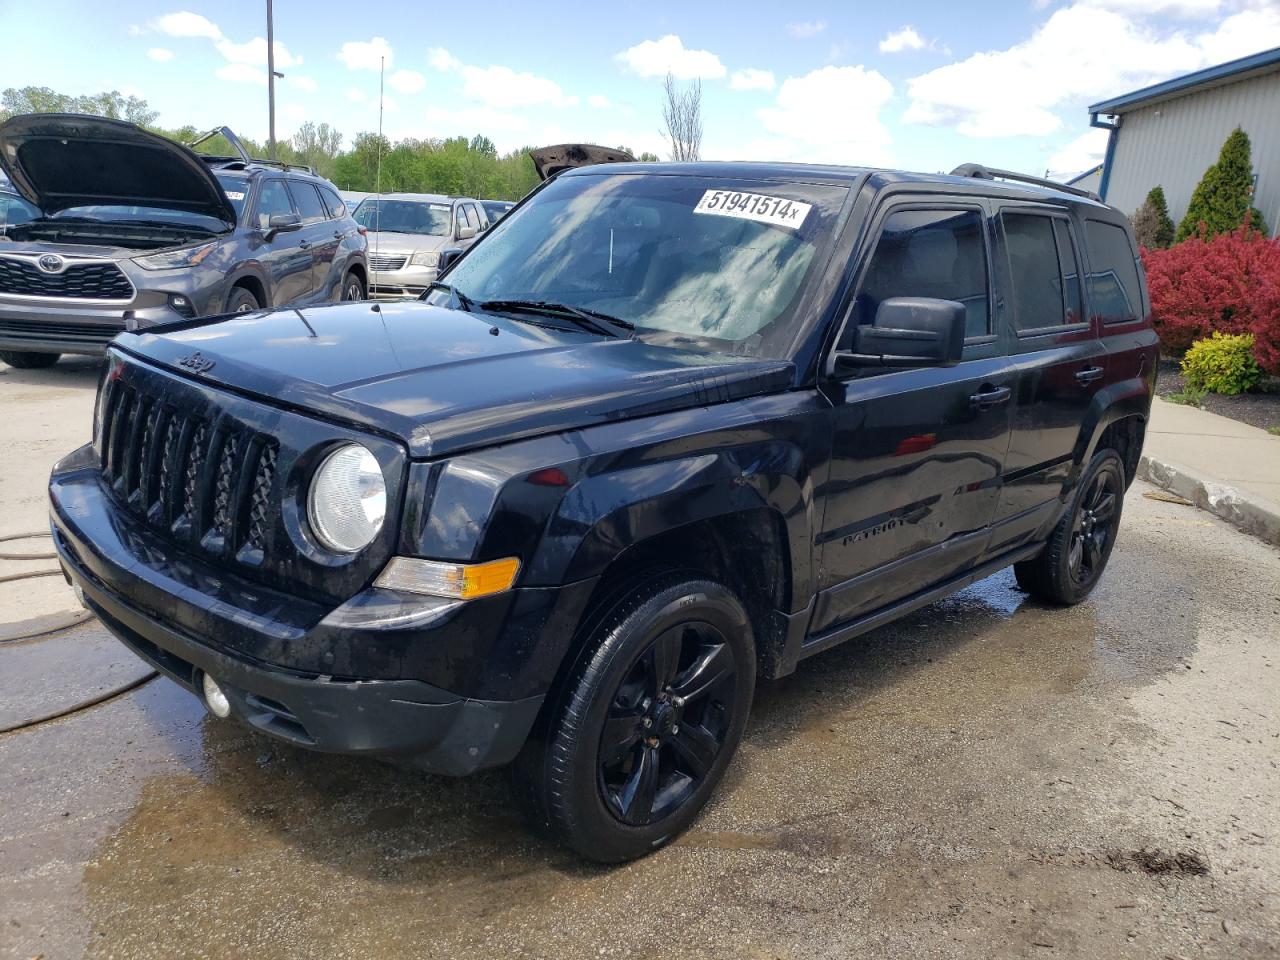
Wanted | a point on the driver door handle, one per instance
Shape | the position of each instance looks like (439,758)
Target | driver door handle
(990,397)
(1089,374)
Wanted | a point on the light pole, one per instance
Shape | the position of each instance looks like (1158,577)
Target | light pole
(271,86)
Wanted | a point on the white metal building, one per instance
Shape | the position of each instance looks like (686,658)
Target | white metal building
(1170,133)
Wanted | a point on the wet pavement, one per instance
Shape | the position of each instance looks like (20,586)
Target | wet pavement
(987,778)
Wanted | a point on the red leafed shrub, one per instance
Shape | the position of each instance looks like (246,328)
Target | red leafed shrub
(1230,283)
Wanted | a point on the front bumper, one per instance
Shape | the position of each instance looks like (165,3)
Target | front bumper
(186,617)
(409,281)
(58,326)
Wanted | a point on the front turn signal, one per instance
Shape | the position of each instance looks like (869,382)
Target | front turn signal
(457,581)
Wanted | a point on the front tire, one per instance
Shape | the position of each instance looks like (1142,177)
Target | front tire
(242,300)
(22,360)
(647,723)
(1080,545)
(352,287)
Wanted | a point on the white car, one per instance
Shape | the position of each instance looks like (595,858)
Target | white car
(407,231)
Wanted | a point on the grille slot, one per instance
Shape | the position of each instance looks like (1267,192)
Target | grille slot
(76,281)
(207,483)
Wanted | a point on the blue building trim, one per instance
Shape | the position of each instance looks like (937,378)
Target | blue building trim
(1128,101)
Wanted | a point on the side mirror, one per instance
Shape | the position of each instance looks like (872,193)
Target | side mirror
(447,257)
(283,223)
(466,233)
(909,332)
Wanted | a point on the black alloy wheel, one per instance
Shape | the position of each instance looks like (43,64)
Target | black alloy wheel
(667,723)
(1094,527)
(352,288)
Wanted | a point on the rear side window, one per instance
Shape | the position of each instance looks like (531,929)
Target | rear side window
(334,202)
(929,253)
(273,198)
(473,216)
(1043,276)
(1114,292)
(308,201)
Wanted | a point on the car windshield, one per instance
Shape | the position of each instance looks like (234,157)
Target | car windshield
(404,216)
(699,261)
(236,189)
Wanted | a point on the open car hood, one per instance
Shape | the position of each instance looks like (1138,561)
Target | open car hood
(549,161)
(62,160)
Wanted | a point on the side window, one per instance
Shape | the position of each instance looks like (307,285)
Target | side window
(308,200)
(473,218)
(334,202)
(459,218)
(929,253)
(1114,292)
(273,198)
(1042,272)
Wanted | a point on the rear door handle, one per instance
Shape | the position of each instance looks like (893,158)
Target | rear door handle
(1090,374)
(991,397)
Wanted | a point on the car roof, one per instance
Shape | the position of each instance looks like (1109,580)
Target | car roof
(837,174)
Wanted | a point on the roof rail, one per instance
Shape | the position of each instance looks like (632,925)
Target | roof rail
(242,157)
(979,172)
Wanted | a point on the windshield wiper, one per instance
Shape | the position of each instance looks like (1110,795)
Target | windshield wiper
(591,319)
(456,295)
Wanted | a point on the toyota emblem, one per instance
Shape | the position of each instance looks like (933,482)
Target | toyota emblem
(50,263)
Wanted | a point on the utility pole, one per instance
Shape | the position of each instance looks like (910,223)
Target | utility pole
(271,86)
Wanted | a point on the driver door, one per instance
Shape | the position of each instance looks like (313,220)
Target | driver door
(286,255)
(917,454)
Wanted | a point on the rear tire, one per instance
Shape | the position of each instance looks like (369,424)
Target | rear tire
(1073,560)
(242,300)
(648,720)
(22,360)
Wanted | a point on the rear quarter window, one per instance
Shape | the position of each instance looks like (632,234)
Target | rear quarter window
(1115,294)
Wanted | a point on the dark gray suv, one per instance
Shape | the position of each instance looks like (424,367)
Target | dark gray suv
(136,230)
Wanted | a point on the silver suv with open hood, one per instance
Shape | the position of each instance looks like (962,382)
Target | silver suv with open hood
(136,230)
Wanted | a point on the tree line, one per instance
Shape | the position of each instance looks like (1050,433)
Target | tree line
(455,165)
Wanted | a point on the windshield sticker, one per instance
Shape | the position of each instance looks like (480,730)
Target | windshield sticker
(235,194)
(754,206)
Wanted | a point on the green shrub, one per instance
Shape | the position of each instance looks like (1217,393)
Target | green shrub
(1222,364)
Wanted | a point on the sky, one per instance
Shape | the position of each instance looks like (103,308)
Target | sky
(915,85)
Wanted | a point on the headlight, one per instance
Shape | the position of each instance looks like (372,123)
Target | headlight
(348,499)
(425,258)
(185,257)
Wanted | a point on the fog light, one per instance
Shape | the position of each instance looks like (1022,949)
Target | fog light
(182,305)
(214,698)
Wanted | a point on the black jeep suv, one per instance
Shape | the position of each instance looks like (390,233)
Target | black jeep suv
(136,230)
(663,431)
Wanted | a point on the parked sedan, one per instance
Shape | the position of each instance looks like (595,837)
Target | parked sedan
(136,230)
(496,209)
(407,231)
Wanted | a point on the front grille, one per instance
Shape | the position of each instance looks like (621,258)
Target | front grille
(58,331)
(387,261)
(77,281)
(207,483)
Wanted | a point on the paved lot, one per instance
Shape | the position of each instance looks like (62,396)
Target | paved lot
(989,778)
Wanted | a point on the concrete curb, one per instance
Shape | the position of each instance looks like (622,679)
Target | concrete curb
(1249,512)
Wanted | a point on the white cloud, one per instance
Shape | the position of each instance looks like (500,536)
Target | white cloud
(160,54)
(806,28)
(656,58)
(255,52)
(354,95)
(186,24)
(799,124)
(905,39)
(300,82)
(750,78)
(1083,153)
(599,101)
(503,88)
(366,54)
(241,73)
(1200,9)
(407,81)
(1080,53)
(442,59)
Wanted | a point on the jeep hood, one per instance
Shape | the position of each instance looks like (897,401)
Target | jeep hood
(60,160)
(441,381)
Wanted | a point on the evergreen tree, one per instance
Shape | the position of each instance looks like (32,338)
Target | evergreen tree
(1221,200)
(1151,224)
(1165,228)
